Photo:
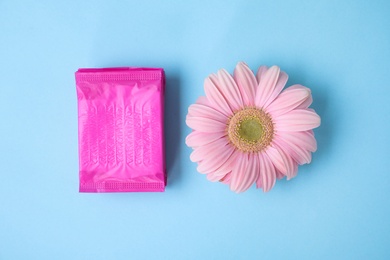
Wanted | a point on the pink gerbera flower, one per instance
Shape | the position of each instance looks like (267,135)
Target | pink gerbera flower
(247,130)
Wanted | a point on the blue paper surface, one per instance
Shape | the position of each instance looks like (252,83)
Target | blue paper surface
(338,207)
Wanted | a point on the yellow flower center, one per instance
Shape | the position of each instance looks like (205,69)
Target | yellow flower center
(250,130)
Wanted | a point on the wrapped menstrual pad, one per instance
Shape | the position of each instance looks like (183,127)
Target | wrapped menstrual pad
(120,118)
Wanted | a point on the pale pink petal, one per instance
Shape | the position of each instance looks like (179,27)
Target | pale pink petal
(288,100)
(282,80)
(239,172)
(251,174)
(246,82)
(267,173)
(306,103)
(260,73)
(294,173)
(206,125)
(311,132)
(305,139)
(277,159)
(266,85)
(214,177)
(229,89)
(217,175)
(196,138)
(270,172)
(279,175)
(211,163)
(202,100)
(297,120)
(270,85)
(197,110)
(209,150)
(229,164)
(216,97)
(259,181)
(227,178)
(299,154)
(311,109)
(290,164)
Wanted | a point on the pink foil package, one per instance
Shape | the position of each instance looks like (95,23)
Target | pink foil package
(120,118)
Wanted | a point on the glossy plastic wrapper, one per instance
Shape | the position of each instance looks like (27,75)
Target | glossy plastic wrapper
(120,129)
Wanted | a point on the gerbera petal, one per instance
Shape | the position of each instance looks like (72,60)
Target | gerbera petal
(229,164)
(239,172)
(282,80)
(259,181)
(305,139)
(270,85)
(211,163)
(288,100)
(214,177)
(206,125)
(230,90)
(196,138)
(297,120)
(267,173)
(202,100)
(252,173)
(299,154)
(306,103)
(227,178)
(266,85)
(260,73)
(215,97)
(277,159)
(290,164)
(246,82)
(311,133)
(279,175)
(198,110)
(210,150)
(294,173)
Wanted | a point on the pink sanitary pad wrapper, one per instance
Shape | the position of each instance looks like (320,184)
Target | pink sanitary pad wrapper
(120,119)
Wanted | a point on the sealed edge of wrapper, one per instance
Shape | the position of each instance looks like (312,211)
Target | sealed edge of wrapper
(122,187)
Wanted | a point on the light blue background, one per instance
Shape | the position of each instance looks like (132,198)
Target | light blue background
(337,208)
